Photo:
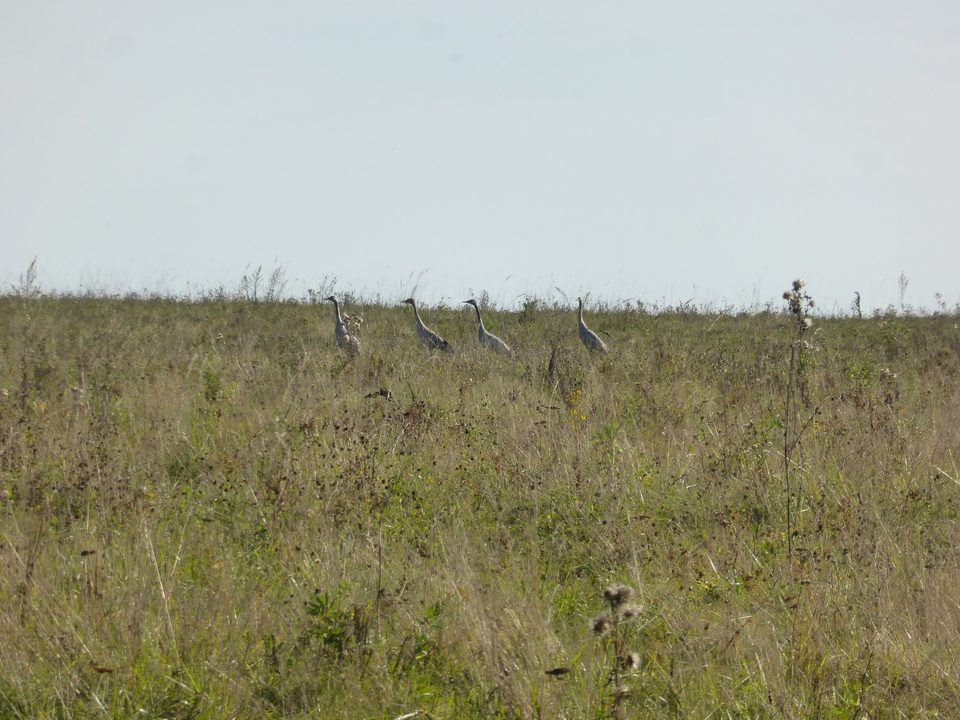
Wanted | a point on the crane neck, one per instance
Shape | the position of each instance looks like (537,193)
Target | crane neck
(416,314)
(336,307)
(580,312)
(479,319)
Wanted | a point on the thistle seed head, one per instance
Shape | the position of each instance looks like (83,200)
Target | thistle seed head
(618,595)
(600,624)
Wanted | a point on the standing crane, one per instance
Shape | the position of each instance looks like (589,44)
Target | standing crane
(488,339)
(345,341)
(588,337)
(427,336)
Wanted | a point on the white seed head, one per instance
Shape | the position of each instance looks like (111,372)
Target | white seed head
(600,624)
(618,595)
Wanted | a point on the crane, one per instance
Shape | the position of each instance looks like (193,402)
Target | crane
(588,337)
(487,338)
(345,341)
(427,336)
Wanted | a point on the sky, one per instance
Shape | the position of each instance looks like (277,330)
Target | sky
(662,152)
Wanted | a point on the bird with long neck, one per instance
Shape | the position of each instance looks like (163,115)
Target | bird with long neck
(487,338)
(430,339)
(588,337)
(345,341)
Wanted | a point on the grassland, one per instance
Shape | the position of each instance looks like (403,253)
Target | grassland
(207,511)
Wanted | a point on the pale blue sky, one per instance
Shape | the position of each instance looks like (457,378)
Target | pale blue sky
(652,150)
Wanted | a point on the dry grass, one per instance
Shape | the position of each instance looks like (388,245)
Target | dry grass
(205,515)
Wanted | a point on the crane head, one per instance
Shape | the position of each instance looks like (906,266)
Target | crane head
(410,301)
(331,298)
(471,301)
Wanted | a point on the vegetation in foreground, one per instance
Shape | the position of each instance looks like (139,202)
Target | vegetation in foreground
(208,511)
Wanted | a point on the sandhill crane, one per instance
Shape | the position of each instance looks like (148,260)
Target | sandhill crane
(427,336)
(488,339)
(588,337)
(345,341)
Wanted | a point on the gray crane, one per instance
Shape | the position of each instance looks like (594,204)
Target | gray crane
(427,336)
(345,341)
(487,338)
(588,337)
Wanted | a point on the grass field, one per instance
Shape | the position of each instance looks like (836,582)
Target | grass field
(208,511)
